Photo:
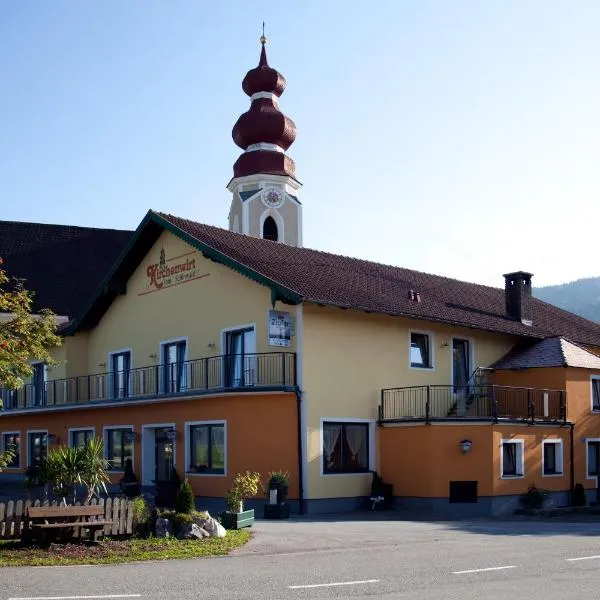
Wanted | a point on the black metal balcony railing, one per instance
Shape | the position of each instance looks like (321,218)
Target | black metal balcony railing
(440,402)
(274,370)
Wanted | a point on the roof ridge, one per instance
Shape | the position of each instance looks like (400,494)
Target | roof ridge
(344,256)
(63,226)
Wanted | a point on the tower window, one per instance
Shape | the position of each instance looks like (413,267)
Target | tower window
(270,229)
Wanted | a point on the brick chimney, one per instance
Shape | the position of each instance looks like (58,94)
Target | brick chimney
(517,293)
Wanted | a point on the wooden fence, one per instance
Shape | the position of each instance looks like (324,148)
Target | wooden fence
(117,510)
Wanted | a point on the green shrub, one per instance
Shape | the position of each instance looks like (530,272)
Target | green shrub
(141,515)
(578,495)
(534,497)
(185,502)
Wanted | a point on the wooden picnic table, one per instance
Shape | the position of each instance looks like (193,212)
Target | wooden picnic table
(63,522)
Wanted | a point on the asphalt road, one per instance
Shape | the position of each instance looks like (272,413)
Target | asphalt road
(352,559)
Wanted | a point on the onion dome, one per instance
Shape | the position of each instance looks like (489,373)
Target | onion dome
(264,132)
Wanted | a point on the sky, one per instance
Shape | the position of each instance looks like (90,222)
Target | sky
(456,137)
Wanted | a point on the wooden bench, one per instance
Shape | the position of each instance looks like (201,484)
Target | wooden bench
(64,521)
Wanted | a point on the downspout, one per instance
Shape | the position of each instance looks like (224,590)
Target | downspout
(300,461)
(572,461)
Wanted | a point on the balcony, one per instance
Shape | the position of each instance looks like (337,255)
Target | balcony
(272,371)
(488,402)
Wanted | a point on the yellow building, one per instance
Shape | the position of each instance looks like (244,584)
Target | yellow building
(213,351)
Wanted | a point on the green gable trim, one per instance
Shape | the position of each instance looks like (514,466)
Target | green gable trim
(113,284)
(283,293)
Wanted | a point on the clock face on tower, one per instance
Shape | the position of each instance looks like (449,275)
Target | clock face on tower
(272,197)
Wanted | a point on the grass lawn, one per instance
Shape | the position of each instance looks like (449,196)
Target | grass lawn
(13,554)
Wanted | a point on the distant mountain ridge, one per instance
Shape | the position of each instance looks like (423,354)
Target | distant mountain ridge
(581,297)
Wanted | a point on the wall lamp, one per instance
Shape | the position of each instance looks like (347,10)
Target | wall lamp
(465,445)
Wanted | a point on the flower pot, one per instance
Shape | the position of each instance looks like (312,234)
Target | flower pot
(237,520)
(277,511)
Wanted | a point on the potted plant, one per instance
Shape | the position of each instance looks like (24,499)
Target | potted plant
(277,507)
(245,485)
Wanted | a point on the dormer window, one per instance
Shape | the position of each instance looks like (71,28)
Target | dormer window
(269,231)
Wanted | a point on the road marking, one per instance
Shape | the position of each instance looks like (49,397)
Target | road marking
(78,597)
(318,585)
(582,558)
(482,570)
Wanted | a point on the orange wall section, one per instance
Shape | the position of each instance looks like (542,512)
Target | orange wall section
(421,460)
(587,423)
(261,433)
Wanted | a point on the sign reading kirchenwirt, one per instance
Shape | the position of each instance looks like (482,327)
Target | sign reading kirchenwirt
(281,328)
(172,271)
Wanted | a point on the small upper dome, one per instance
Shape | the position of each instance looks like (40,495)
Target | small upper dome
(263,78)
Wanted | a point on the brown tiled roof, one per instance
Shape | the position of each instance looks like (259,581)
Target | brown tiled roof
(62,264)
(345,282)
(551,352)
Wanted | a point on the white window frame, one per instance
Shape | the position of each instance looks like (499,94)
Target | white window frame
(161,364)
(587,466)
(559,458)
(372,449)
(592,378)
(431,337)
(3,433)
(520,458)
(186,443)
(111,388)
(30,431)
(75,429)
(105,431)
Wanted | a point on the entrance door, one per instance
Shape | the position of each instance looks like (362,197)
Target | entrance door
(163,457)
(461,361)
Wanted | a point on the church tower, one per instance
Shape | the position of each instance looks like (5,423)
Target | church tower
(264,184)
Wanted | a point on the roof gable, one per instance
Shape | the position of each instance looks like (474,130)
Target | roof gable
(551,352)
(300,274)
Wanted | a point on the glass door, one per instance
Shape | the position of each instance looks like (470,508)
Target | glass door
(164,451)
(461,361)
(240,360)
(174,367)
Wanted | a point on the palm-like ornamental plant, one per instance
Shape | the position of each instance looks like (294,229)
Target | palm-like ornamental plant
(65,468)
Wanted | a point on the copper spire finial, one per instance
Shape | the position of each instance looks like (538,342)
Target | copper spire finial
(263,39)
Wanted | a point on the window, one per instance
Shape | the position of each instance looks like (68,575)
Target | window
(511,459)
(270,229)
(174,367)
(120,370)
(207,448)
(12,441)
(552,457)
(38,447)
(119,447)
(596,392)
(420,351)
(38,383)
(80,437)
(345,447)
(593,458)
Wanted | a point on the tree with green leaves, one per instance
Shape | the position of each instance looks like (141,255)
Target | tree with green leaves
(24,336)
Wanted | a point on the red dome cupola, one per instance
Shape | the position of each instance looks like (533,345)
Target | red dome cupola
(264,132)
